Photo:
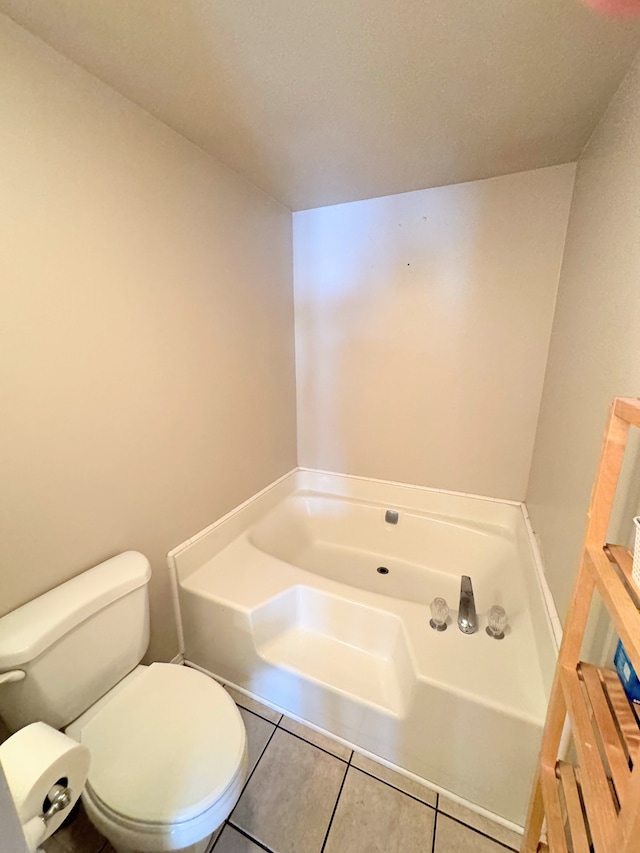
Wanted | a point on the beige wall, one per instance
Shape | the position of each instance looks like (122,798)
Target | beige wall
(595,344)
(147,367)
(422,327)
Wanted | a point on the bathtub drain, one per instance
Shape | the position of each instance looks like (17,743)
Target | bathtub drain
(382,570)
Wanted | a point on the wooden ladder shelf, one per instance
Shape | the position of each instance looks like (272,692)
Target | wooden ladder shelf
(594,805)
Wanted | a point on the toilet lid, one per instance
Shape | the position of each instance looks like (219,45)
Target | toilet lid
(165,747)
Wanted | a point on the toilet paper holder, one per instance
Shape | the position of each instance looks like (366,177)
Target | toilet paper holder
(59,797)
(45,771)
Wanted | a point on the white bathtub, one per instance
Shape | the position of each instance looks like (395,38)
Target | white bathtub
(282,598)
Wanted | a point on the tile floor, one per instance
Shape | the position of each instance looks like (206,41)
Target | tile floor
(306,793)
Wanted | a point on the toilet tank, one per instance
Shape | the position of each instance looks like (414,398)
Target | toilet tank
(74,643)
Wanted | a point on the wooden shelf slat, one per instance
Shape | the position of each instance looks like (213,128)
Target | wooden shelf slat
(553,811)
(623,558)
(575,816)
(628,408)
(607,729)
(599,805)
(625,718)
(623,611)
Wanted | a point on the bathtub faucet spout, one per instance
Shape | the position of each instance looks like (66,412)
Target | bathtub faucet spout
(467,618)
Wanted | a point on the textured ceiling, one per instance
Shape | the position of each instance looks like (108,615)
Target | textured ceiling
(334,100)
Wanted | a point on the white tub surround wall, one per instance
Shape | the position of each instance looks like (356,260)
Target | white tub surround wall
(422,329)
(146,313)
(283,599)
(595,345)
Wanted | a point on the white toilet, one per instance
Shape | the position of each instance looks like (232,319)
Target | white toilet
(167,743)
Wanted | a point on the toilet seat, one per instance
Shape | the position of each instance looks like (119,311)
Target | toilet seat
(168,758)
(160,838)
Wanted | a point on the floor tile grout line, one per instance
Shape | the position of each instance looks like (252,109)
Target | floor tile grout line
(335,807)
(435,827)
(215,843)
(395,787)
(258,714)
(250,776)
(311,743)
(249,837)
(479,832)
(240,705)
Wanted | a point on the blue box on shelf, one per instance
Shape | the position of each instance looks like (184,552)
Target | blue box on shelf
(626,673)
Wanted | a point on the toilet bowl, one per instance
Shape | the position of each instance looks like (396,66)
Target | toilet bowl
(167,744)
(168,760)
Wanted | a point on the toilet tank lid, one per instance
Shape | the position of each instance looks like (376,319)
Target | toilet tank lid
(26,632)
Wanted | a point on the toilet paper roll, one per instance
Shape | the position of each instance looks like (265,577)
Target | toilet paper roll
(35,759)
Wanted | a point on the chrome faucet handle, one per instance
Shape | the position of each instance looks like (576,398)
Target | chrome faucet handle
(439,614)
(497,622)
